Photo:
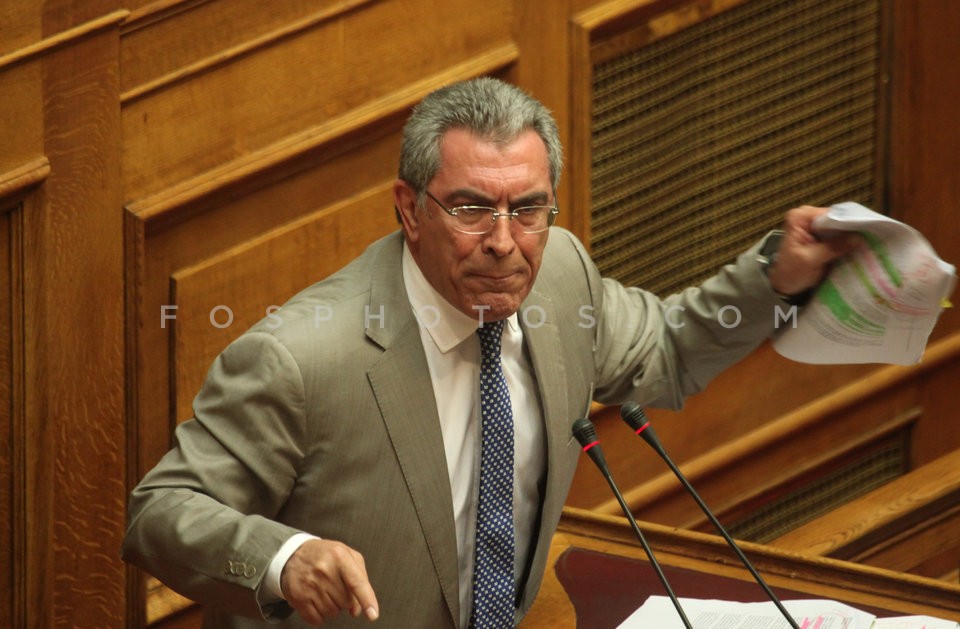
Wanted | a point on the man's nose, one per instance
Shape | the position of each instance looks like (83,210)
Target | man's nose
(500,239)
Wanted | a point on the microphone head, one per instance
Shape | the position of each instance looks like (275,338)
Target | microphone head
(633,414)
(584,431)
(586,434)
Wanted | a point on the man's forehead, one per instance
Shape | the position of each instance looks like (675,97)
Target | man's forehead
(461,148)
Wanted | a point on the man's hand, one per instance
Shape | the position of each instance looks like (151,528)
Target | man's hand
(323,578)
(804,257)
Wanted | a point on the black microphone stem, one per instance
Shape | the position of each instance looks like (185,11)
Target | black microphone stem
(730,542)
(647,550)
(633,415)
(586,433)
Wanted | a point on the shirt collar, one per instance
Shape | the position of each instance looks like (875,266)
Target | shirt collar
(447,326)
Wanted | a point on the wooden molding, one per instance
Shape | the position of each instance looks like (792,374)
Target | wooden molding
(780,567)
(621,26)
(167,204)
(157,11)
(581,130)
(162,602)
(63,39)
(17,182)
(14,399)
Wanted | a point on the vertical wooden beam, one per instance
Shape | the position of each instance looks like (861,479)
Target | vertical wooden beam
(541,31)
(924,133)
(73,371)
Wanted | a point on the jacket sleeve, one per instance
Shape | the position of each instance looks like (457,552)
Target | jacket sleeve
(201,521)
(658,351)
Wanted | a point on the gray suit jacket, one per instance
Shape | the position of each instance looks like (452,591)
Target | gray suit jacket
(323,420)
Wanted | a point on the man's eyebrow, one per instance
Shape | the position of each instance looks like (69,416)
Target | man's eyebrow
(473,197)
(533,198)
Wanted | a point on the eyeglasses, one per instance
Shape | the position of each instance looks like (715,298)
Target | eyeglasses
(480,219)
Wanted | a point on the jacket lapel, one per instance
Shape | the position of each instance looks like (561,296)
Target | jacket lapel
(401,384)
(544,343)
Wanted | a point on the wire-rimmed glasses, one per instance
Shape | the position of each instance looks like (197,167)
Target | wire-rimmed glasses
(480,219)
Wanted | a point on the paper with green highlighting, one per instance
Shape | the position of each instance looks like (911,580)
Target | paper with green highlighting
(878,304)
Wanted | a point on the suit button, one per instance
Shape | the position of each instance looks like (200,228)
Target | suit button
(249,571)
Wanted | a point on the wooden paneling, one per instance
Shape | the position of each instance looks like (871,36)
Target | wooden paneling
(21,128)
(910,525)
(167,249)
(62,367)
(9,422)
(19,26)
(64,16)
(613,541)
(542,34)
(15,186)
(157,48)
(924,134)
(727,435)
(290,83)
(73,328)
(187,152)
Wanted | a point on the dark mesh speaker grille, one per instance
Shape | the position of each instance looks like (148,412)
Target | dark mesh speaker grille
(702,140)
(822,496)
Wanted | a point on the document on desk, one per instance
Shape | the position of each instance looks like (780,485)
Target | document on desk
(659,612)
(878,304)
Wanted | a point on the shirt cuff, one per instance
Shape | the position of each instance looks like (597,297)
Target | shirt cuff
(271,580)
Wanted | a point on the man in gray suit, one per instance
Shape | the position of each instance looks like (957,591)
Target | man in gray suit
(337,455)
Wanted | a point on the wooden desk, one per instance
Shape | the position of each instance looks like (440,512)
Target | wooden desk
(598,573)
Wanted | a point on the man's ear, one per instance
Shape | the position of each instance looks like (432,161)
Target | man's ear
(405,202)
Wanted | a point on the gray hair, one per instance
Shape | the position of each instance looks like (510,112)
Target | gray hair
(488,108)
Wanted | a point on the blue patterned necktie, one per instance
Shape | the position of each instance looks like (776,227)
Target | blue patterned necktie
(493,582)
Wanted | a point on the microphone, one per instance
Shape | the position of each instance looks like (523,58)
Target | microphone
(586,434)
(634,416)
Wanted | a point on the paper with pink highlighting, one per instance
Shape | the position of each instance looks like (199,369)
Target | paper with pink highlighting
(659,612)
(878,304)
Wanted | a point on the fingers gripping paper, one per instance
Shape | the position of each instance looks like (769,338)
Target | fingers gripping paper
(879,303)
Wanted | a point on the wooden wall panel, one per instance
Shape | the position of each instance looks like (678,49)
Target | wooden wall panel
(289,84)
(740,469)
(924,133)
(910,525)
(21,129)
(19,26)
(73,325)
(63,16)
(9,433)
(15,186)
(543,37)
(160,45)
(63,462)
